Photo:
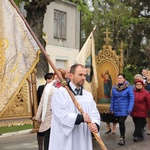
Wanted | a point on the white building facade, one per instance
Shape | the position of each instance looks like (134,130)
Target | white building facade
(62,33)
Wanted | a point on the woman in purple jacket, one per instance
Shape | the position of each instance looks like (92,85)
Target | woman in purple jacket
(140,109)
(122,101)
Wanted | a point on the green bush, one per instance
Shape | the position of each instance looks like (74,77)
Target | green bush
(129,75)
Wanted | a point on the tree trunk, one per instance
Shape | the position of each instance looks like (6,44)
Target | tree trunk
(35,17)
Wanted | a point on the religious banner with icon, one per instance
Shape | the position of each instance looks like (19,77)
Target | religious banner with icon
(109,64)
(86,57)
(18,54)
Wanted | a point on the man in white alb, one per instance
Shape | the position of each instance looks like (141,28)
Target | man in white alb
(69,129)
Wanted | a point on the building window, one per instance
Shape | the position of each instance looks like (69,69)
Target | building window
(59,24)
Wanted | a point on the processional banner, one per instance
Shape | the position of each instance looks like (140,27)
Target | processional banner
(86,57)
(18,52)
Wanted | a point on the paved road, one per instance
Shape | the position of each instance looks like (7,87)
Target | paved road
(111,141)
(19,142)
(28,141)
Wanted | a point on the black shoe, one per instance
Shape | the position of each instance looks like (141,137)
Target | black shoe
(121,142)
(137,139)
(108,131)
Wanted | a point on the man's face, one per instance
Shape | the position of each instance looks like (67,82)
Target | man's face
(79,76)
(144,72)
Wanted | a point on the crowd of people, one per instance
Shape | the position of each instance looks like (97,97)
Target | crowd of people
(61,122)
(133,100)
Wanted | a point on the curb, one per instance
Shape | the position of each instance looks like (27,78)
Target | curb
(23,132)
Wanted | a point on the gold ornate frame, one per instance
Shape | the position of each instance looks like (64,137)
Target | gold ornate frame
(23,106)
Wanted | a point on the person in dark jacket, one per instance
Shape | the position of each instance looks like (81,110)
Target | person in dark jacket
(40,135)
(48,78)
(140,109)
(122,101)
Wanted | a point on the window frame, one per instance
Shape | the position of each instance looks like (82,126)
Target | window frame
(60,24)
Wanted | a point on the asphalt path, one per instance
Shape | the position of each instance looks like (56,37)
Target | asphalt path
(27,141)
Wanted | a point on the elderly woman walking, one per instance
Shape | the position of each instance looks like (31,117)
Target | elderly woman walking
(140,109)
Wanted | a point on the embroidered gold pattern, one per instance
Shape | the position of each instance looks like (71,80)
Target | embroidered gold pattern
(20,104)
(3,47)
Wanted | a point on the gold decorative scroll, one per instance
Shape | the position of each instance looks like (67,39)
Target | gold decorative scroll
(20,106)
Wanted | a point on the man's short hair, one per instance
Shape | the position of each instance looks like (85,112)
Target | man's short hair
(73,67)
(48,76)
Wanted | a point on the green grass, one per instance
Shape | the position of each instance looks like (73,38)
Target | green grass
(15,128)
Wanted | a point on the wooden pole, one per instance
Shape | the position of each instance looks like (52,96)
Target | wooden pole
(36,124)
(64,83)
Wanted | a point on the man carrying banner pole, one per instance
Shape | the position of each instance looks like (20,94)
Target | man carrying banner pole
(64,83)
(69,127)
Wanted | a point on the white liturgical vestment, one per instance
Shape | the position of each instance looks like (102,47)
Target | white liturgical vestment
(65,135)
